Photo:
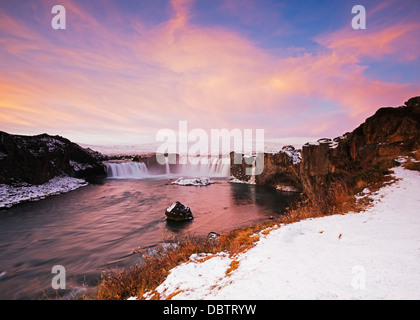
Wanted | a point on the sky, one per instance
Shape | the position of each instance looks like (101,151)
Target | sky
(124,69)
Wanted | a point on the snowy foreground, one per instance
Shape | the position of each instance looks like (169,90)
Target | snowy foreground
(11,195)
(374,254)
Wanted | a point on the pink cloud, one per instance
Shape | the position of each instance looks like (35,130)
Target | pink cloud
(131,85)
(399,40)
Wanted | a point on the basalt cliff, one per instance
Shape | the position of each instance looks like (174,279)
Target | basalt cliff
(37,159)
(317,168)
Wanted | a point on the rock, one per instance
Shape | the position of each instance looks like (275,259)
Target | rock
(319,167)
(178,212)
(389,132)
(279,169)
(38,159)
(212,236)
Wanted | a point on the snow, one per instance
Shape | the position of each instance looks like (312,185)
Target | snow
(374,254)
(193,182)
(286,188)
(233,179)
(170,208)
(332,143)
(11,195)
(363,194)
(194,276)
(79,166)
(42,145)
(52,143)
(294,155)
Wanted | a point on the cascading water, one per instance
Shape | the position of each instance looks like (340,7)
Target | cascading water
(167,169)
(126,170)
(252,180)
(212,168)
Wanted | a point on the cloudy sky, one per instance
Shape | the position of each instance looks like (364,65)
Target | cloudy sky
(124,69)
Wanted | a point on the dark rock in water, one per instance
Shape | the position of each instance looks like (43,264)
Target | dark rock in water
(178,212)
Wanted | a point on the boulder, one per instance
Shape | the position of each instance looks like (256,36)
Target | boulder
(178,212)
(213,236)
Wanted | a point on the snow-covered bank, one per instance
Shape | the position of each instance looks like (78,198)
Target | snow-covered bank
(11,195)
(374,254)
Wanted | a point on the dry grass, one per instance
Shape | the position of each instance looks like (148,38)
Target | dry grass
(149,273)
(155,266)
(415,154)
(412,165)
(173,294)
(232,267)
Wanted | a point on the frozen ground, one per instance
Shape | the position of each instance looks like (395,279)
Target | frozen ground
(11,195)
(374,254)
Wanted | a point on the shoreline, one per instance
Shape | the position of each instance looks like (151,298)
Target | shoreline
(13,195)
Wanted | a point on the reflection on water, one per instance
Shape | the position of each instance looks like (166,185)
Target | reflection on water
(97,226)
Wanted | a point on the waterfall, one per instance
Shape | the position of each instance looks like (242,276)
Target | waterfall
(214,168)
(167,169)
(252,180)
(126,170)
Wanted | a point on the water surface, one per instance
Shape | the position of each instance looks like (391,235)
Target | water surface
(98,226)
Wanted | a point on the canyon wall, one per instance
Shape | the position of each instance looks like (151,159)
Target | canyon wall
(316,168)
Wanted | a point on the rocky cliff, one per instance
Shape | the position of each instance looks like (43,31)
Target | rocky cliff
(390,132)
(37,159)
